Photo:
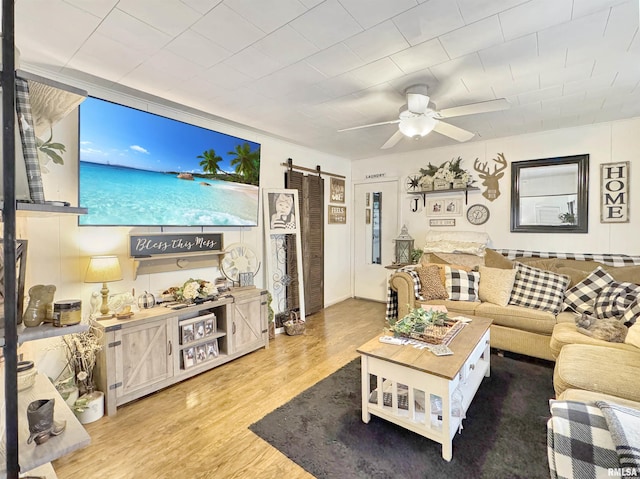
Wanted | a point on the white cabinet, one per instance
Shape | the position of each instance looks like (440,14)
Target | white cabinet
(158,347)
(142,356)
(249,329)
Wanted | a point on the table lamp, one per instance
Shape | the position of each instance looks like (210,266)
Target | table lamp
(103,269)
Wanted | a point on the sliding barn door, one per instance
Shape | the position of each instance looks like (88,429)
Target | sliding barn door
(311,199)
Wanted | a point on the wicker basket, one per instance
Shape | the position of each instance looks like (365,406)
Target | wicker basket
(294,325)
(438,334)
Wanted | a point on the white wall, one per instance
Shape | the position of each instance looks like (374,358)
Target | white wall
(59,250)
(605,143)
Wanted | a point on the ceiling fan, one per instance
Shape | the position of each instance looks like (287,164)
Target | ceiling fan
(416,119)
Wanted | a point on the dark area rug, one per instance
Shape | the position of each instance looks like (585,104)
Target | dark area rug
(504,435)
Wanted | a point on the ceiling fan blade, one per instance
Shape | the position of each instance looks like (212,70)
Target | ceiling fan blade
(452,131)
(370,124)
(471,108)
(391,142)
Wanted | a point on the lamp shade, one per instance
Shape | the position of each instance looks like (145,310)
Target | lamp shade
(103,269)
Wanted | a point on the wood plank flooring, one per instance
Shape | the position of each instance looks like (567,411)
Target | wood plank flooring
(199,428)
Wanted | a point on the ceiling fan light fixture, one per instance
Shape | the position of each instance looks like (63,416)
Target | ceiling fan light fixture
(417,126)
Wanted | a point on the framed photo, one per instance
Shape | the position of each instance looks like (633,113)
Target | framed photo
(336,190)
(337,215)
(212,350)
(201,353)
(199,330)
(281,211)
(209,326)
(444,207)
(442,222)
(187,333)
(189,357)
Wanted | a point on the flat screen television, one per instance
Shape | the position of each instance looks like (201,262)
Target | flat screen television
(142,169)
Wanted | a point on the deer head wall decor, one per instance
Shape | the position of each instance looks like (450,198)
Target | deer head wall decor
(490,180)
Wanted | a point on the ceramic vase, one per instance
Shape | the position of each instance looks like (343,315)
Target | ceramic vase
(92,407)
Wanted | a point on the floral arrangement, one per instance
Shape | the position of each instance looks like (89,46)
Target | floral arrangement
(82,353)
(447,171)
(194,289)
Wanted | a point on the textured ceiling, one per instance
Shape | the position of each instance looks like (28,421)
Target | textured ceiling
(302,69)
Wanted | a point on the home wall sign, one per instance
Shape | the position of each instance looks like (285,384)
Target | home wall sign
(337,214)
(614,192)
(148,245)
(336,190)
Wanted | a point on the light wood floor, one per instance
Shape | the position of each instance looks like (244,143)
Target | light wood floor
(199,428)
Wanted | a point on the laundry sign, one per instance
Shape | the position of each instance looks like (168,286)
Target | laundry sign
(614,192)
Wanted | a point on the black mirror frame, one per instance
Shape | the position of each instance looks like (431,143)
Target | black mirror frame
(582,225)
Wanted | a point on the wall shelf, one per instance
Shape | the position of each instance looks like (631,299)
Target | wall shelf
(45,330)
(74,436)
(450,190)
(45,209)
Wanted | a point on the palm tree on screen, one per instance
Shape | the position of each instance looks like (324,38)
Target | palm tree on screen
(247,162)
(210,161)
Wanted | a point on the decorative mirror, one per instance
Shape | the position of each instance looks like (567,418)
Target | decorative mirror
(550,195)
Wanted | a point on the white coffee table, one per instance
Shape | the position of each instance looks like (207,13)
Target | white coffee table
(423,374)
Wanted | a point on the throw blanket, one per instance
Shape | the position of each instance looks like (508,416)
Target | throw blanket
(579,445)
(392,296)
(624,426)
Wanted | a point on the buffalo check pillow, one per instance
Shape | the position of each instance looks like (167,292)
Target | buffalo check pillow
(538,289)
(616,299)
(582,297)
(461,285)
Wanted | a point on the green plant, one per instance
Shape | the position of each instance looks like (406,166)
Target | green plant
(416,254)
(569,218)
(417,320)
(51,149)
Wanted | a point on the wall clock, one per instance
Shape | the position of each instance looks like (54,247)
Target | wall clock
(477,214)
(238,258)
(412,183)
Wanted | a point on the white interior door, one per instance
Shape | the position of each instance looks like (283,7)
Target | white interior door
(376,218)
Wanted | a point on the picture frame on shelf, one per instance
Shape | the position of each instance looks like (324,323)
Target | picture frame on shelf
(187,334)
(212,350)
(201,353)
(189,357)
(209,326)
(199,330)
(444,207)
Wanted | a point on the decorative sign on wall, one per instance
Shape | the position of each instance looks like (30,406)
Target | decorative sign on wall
(491,179)
(144,246)
(337,214)
(336,190)
(614,192)
(442,222)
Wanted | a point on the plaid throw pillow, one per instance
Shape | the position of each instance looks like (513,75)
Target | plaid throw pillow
(614,299)
(538,289)
(632,313)
(582,297)
(461,285)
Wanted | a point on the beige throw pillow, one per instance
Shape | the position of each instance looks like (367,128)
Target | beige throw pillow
(633,335)
(496,285)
